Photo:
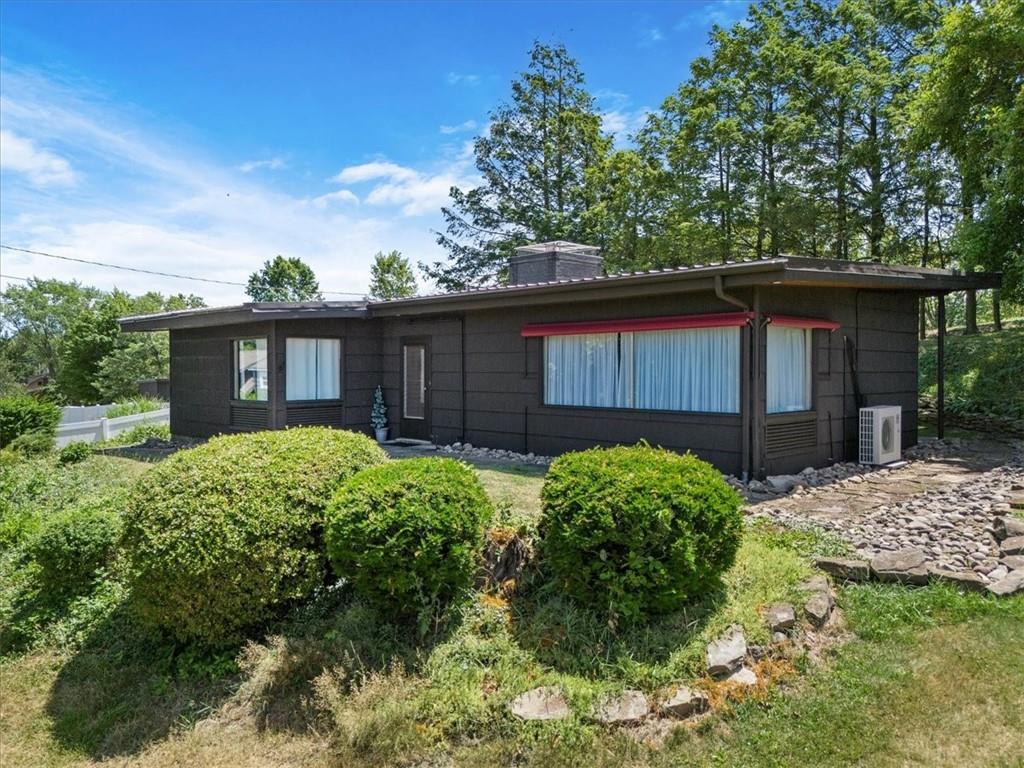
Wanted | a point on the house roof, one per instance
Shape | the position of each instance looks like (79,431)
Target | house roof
(782,270)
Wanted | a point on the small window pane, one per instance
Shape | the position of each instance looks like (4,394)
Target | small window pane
(788,369)
(414,390)
(313,369)
(584,369)
(251,380)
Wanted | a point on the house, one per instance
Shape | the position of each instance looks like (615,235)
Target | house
(757,366)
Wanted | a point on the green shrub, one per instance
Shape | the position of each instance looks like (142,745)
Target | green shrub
(221,537)
(72,453)
(637,530)
(74,544)
(24,414)
(32,444)
(131,407)
(139,434)
(408,534)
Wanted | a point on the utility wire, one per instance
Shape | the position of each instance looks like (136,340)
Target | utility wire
(148,271)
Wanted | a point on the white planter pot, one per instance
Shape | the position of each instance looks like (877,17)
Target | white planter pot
(382,434)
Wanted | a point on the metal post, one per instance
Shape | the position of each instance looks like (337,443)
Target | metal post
(940,405)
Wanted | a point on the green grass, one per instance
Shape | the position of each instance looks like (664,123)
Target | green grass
(927,677)
(983,373)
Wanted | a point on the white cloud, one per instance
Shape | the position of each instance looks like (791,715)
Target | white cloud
(650,36)
(40,166)
(723,13)
(342,196)
(458,78)
(270,164)
(467,125)
(413,192)
(145,199)
(619,117)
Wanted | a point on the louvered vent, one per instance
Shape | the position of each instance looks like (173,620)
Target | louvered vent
(791,436)
(248,417)
(316,415)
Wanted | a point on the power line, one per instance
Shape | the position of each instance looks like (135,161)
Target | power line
(14,277)
(148,271)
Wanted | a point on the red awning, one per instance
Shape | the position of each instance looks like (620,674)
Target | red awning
(789,321)
(714,320)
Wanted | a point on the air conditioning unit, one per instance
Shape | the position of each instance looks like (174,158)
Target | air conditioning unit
(880,434)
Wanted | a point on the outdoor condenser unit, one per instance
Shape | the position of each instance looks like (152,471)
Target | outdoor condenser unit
(880,434)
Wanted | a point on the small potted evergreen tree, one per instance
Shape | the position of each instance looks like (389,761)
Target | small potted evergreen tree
(379,415)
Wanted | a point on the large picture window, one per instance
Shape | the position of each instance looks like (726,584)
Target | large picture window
(670,370)
(313,369)
(251,369)
(788,369)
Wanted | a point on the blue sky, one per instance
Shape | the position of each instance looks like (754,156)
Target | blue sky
(206,137)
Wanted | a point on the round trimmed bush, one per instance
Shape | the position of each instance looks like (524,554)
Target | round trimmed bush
(221,537)
(408,534)
(74,544)
(72,453)
(638,530)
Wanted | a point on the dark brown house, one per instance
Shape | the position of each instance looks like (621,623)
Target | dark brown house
(757,366)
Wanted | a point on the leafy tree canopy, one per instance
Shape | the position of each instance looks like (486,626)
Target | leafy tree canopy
(391,276)
(284,279)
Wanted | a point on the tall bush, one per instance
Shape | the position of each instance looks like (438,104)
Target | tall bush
(637,530)
(408,534)
(221,537)
(24,414)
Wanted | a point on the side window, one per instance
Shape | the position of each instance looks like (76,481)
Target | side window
(251,379)
(788,369)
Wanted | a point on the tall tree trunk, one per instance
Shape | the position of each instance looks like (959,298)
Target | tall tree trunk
(842,249)
(971,313)
(997,314)
(876,222)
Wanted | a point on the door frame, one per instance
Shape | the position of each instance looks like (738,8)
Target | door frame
(413,428)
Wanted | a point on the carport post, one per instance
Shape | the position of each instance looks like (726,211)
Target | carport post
(940,359)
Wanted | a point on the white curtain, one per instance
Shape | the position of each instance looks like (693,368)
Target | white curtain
(313,369)
(789,369)
(585,370)
(688,370)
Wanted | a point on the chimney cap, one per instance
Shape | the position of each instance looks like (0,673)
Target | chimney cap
(558,246)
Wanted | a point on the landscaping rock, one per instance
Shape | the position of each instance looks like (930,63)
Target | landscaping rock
(1017,501)
(779,637)
(905,566)
(627,707)
(684,702)
(818,609)
(743,676)
(963,579)
(845,568)
(545,703)
(1007,527)
(1008,585)
(726,654)
(784,483)
(1013,562)
(1012,546)
(780,617)
(815,584)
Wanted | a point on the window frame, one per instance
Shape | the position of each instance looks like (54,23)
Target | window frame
(725,415)
(341,371)
(235,398)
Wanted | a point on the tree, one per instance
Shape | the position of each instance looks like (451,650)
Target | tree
(971,105)
(534,161)
(33,317)
(391,276)
(284,280)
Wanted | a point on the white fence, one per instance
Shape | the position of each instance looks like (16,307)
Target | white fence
(72,414)
(103,428)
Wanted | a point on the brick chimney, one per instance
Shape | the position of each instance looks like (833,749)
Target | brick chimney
(557,260)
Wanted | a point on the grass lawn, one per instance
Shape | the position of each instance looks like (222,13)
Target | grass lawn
(927,676)
(983,373)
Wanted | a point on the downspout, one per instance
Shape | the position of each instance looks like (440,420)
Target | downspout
(745,403)
(462,373)
(757,432)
